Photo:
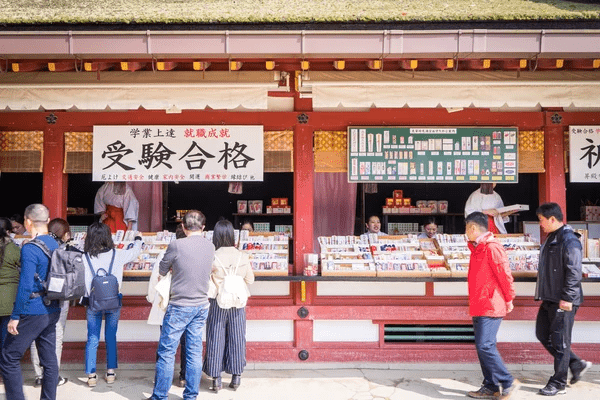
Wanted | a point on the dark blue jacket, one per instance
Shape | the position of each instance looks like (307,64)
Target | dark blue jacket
(559,272)
(33,260)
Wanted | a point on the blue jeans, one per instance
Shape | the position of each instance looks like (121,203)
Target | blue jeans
(42,330)
(188,321)
(94,323)
(492,366)
(182,359)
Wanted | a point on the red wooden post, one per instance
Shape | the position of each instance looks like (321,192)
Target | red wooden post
(54,194)
(552,185)
(303,194)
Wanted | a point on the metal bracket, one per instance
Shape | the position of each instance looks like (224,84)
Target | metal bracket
(556,118)
(303,312)
(51,119)
(302,118)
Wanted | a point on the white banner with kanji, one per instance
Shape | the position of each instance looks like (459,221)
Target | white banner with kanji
(150,153)
(584,153)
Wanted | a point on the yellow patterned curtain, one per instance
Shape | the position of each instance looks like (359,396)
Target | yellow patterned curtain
(279,151)
(531,152)
(330,150)
(22,151)
(78,153)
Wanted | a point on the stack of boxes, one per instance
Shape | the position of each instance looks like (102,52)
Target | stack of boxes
(402,205)
(590,213)
(279,205)
(397,204)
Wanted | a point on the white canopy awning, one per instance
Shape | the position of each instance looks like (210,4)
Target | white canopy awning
(129,91)
(453,89)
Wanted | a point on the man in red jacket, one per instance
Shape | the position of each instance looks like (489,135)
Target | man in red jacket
(491,294)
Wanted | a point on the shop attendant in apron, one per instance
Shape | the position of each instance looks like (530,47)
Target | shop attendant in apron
(487,201)
(118,206)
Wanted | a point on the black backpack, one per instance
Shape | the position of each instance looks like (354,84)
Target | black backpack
(104,291)
(65,279)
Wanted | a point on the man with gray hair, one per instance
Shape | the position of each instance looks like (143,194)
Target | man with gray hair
(32,319)
(190,260)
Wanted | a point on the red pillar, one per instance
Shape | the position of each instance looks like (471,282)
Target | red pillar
(303,194)
(552,185)
(54,194)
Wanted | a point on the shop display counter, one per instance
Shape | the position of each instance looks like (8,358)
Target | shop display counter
(399,255)
(268,252)
(346,256)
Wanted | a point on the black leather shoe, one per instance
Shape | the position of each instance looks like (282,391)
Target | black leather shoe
(216,384)
(551,390)
(236,380)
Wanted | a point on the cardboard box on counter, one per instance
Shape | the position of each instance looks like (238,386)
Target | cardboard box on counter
(590,213)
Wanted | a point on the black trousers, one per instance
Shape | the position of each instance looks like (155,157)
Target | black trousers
(225,340)
(42,330)
(553,328)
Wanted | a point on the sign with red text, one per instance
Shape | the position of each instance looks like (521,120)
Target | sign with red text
(584,154)
(150,153)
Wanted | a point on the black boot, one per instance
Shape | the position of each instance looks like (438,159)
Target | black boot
(236,380)
(216,384)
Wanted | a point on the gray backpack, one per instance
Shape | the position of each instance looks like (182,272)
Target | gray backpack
(65,279)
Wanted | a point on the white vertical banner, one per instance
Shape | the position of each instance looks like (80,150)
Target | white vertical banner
(584,154)
(178,153)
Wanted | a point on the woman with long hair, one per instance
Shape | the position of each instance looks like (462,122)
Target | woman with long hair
(10,256)
(226,328)
(99,247)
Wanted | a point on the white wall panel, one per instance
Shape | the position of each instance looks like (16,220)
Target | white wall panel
(345,331)
(370,288)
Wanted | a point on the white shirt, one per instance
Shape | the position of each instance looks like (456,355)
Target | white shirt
(128,202)
(478,201)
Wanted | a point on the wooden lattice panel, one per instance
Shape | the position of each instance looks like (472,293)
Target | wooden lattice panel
(531,152)
(279,151)
(78,141)
(21,151)
(78,152)
(279,140)
(22,141)
(330,149)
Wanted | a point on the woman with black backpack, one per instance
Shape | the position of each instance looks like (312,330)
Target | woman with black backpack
(103,261)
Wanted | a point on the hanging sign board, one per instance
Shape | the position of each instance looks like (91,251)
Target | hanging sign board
(178,153)
(433,154)
(584,154)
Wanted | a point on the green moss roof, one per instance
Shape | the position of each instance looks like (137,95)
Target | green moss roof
(288,11)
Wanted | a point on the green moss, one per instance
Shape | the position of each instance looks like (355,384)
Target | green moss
(261,11)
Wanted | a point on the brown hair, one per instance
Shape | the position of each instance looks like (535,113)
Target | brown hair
(59,227)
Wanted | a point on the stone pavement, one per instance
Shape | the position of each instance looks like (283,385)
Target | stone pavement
(330,381)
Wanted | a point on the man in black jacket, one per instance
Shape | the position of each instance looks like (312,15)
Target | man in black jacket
(559,288)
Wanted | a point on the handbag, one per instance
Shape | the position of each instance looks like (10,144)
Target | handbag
(232,292)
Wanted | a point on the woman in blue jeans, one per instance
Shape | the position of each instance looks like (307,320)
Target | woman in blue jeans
(100,247)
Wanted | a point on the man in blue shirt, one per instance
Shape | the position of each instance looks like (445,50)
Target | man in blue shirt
(32,319)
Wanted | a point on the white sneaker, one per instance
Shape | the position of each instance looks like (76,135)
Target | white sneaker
(92,380)
(110,377)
